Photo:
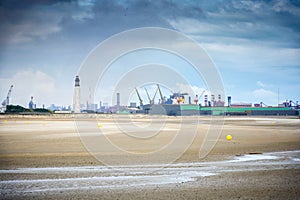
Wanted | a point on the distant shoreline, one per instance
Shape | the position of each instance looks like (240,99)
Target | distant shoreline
(98,115)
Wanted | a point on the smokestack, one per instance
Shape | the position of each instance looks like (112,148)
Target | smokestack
(229,101)
(212,100)
(196,99)
(205,100)
(118,99)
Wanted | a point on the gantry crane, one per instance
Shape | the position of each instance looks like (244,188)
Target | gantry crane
(148,96)
(6,101)
(262,103)
(151,101)
(161,95)
(139,96)
(201,94)
(198,97)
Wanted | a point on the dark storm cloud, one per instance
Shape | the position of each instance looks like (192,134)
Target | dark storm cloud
(160,8)
(42,29)
(277,13)
(112,17)
(267,21)
(21,19)
(24,21)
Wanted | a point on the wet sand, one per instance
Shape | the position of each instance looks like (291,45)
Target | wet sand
(44,158)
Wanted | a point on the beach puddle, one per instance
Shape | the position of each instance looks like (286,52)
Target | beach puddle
(104,177)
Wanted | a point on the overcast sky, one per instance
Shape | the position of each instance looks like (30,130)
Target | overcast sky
(255,45)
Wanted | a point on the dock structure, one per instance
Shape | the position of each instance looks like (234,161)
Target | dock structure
(192,109)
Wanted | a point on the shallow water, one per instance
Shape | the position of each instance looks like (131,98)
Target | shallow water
(105,177)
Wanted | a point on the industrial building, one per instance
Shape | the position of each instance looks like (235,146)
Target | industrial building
(187,110)
(262,111)
(181,104)
(178,104)
(192,109)
(175,106)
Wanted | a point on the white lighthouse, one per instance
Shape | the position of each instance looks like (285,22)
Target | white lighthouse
(76,98)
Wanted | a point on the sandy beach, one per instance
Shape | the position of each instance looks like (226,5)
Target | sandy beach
(58,158)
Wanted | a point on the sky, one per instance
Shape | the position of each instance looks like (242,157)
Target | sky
(255,45)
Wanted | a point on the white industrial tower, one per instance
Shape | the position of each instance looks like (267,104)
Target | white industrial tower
(76,98)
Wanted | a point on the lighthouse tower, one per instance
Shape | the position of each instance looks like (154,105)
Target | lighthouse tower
(76,98)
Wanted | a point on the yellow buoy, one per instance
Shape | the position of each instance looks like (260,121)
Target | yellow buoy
(43,124)
(26,122)
(99,125)
(228,137)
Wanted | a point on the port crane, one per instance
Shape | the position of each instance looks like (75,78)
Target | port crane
(139,96)
(151,101)
(262,103)
(201,94)
(148,95)
(161,95)
(6,101)
(198,97)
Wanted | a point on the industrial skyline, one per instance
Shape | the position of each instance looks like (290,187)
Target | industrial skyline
(179,104)
(254,44)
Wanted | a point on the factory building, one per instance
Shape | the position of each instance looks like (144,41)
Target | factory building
(217,107)
(186,110)
(180,104)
